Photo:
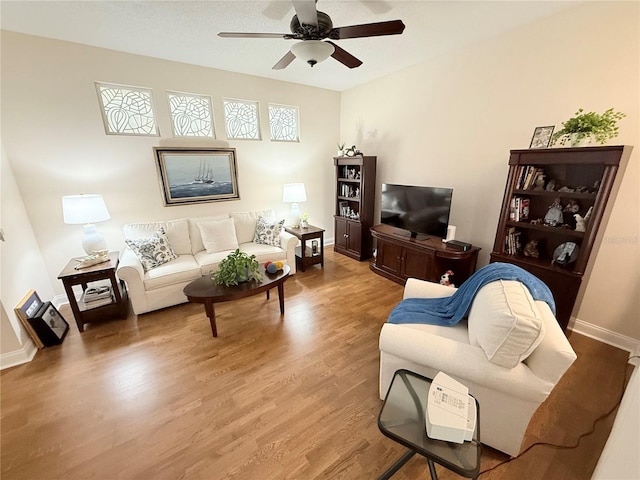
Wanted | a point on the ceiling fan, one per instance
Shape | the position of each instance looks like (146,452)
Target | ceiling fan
(313,28)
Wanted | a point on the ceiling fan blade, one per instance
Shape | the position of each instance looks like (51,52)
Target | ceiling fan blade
(253,35)
(284,61)
(306,12)
(276,9)
(344,57)
(392,27)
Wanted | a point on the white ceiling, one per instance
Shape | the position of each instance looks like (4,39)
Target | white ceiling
(186,31)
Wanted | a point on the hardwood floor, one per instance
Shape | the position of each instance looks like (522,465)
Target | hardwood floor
(293,397)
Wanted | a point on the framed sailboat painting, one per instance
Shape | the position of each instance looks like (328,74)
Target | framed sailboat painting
(197,175)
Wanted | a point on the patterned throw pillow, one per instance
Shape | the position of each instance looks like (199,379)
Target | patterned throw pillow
(153,251)
(268,231)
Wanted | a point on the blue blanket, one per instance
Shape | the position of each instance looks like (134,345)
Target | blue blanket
(450,310)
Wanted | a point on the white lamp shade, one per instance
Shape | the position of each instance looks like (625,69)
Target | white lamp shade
(312,51)
(82,209)
(294,192)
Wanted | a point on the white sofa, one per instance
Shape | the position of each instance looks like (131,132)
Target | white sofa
(508,395)
(162,286)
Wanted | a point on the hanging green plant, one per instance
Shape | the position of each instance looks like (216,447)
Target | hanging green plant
(235,268)
(591,125)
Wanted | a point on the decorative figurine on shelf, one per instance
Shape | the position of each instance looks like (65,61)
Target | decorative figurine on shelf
(357,193)
(539,185)
(580,225)
(551,186)
(445,279)
(587,215)
(572,207)
(304,220)
(352,152)
(531,249)
(554,216)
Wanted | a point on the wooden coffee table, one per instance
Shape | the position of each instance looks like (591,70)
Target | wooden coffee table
(204,290)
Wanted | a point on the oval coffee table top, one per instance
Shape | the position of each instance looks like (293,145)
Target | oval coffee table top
(205,287)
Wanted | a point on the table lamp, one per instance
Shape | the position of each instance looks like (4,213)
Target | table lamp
(86,210)
(294,193)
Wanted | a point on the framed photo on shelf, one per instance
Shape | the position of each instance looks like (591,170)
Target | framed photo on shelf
(541,137)
(197,175)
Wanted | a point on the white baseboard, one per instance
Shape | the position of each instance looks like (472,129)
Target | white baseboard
(18,357)
(59,300)
(603,335)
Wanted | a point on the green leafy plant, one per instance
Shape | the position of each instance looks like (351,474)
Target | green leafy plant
(340,146)
(305,217)
(235,268)
(590,124)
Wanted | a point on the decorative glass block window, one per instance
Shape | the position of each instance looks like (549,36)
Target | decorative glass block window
(241,119)
(126,110)
(284,123)
(191,115)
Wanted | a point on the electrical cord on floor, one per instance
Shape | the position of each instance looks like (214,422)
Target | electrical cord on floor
(569,447)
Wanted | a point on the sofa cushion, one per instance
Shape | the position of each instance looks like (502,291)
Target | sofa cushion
(153,251)
(177,232)
(182,269)
(505,322)
(208,262)
(245,223)
(194,231)
(218,235)
(268,231)
(263,252)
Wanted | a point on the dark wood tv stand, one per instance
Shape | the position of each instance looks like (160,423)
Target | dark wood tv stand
(400,257)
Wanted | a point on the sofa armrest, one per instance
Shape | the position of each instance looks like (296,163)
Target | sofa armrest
(415,288)
(554,355)
(288,243)
(130,270)
(466,362)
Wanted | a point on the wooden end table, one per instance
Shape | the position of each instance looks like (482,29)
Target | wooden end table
(82,313)
(307,256)
(204,290)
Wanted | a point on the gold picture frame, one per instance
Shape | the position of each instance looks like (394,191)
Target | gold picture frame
(197,175)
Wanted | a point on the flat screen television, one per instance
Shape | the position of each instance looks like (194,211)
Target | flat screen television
(419,210)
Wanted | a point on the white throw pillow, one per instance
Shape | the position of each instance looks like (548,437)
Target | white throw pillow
(218,235)
(268,231)
(177,232)
(153,251)
(245,223)
(505,322)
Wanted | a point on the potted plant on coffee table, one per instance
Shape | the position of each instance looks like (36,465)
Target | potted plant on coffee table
(237,267)
(589,126)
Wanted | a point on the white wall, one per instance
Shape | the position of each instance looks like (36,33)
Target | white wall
(23,268)
(452,121)
(55,140)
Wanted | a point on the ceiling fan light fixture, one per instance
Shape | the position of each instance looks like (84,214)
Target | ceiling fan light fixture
(312,51)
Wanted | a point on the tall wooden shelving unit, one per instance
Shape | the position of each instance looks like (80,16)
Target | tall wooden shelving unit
(594,173)
(355,199)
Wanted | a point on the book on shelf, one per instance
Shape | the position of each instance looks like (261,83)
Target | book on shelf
(513,244)
(97,303)
(527,177)
(96,293)
(519,209)
(97,296)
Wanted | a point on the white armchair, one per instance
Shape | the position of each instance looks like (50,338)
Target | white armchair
(510,353)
